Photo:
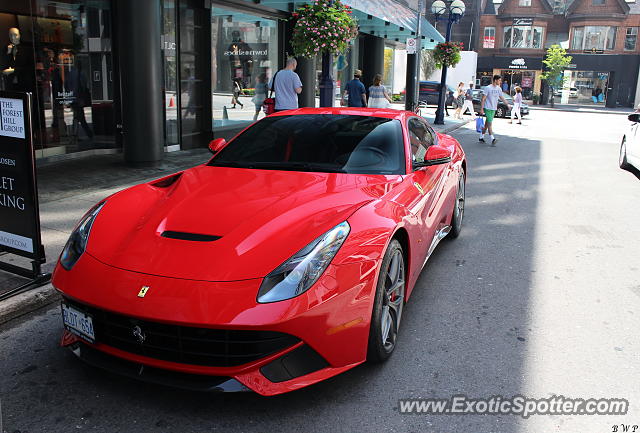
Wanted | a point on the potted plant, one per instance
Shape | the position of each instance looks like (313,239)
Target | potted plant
(322,27)
(536,98)
(447,54)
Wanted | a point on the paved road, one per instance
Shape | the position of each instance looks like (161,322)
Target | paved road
(540,295)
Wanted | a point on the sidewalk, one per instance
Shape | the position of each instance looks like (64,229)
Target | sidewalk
(68,189)
(583,108)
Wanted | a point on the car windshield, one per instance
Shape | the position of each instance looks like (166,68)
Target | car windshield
(318,143)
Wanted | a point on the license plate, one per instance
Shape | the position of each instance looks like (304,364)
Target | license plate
(78,322)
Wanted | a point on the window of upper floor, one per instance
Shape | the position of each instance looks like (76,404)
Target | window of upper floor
(489,40)
(598,2)
(630,39)
(523,37)
(524,2)
(594,38)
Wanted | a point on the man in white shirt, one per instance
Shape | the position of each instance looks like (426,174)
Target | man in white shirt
(287,85)
(489,105)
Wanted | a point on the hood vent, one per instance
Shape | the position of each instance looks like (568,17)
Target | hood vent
(166,182)
(189,236)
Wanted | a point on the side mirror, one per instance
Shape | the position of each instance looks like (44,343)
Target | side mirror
(216,145)
(635,117)
(435,155)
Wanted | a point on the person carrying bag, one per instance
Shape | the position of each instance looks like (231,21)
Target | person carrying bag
(269,104)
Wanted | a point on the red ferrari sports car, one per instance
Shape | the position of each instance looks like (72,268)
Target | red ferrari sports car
(284,260)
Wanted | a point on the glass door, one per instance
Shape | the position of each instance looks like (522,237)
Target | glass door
(194,74)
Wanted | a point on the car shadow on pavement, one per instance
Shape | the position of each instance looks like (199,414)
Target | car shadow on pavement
(465,330)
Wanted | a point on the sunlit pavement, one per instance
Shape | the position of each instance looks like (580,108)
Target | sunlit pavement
(540,295)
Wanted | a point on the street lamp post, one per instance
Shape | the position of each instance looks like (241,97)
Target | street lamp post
(456,11)
(327,86)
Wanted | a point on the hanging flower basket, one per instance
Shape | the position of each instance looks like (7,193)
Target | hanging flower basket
(322,27)
(447,54)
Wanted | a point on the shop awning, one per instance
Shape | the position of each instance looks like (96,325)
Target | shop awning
(402,14)
(394,20)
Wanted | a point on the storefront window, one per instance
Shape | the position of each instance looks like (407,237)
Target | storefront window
(172,134)
(245,52)
(594,38)
(68,45)
(587,87)
(630,39)
(523,37)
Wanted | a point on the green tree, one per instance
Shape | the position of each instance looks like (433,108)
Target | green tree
(555,62)
(427,63)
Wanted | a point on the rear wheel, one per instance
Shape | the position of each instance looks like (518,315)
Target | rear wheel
(622,159)
(387,305)
(458,207)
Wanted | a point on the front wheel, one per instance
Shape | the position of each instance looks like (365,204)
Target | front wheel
(622,159)
(458,207)
(387,305)
(501,112)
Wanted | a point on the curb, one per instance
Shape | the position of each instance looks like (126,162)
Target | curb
(454,127)
(27,302)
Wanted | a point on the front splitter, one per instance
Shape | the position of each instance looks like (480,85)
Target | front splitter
(145,373)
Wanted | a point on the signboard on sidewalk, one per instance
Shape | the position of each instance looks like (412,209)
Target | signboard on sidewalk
(19,212)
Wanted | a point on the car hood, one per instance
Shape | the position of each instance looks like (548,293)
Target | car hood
(258,218)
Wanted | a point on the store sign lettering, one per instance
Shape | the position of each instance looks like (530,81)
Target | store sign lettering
(246,53)
(11,118)
(523,21)
(518,64)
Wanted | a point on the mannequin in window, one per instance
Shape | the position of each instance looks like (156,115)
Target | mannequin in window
(18,66)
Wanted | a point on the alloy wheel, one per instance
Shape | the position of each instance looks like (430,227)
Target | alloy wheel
(392,301)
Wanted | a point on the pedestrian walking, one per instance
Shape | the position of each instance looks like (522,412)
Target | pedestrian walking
(378,96)
(468,102)
(260,94)
(287,86)
(355,94)
(448,101)
(489,105)
(236,91)
(459,101)
(517,103)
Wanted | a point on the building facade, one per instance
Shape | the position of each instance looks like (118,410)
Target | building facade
(149,76)
(600,35)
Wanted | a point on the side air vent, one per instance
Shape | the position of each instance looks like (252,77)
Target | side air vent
(166,182)
(189,236)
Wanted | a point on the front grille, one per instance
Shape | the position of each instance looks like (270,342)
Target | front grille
(184,344)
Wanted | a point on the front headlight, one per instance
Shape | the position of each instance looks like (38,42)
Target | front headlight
(297,275)
(77,242)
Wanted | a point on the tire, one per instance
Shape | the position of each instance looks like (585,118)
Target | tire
(458,207)
(501,112)
(622,159)
(387,305)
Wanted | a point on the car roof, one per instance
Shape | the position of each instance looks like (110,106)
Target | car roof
(388,113)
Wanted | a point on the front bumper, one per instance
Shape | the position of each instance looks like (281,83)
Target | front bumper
(330,320)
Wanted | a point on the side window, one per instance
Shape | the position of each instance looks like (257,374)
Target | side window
(421,137)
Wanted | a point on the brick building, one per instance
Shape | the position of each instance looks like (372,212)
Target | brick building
(600,35)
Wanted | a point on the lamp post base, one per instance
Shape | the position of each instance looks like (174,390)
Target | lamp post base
(439,120)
